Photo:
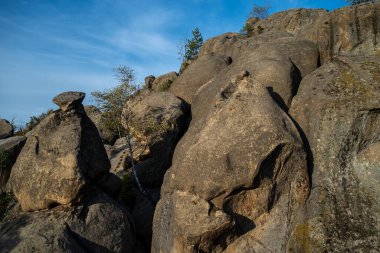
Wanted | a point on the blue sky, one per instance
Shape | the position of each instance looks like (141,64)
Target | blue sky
(51,46)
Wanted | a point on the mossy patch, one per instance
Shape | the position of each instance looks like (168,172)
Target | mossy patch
(300,241)
(4,155)
(5,200)
(127,196)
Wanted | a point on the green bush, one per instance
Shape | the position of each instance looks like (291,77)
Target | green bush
(247,30)
(112,101)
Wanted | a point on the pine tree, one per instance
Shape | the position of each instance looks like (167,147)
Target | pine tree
(193,45)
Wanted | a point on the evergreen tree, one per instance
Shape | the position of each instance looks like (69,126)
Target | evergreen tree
(193,45)
(189,48)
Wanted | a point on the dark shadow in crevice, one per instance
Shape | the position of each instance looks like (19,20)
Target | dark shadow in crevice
(243,224)
(268,166)
(296,79)
(278,99)
(309,153)
(85,244)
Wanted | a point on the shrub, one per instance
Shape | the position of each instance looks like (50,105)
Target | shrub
(247,30)
(111,102)
(259,11)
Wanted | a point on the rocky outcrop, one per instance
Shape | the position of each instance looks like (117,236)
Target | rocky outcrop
(240,163)
(351,30)
(6,129)
(105,133)
(246,171)
(156,120)
(163,82)
(278,60)
(9,150)
(61,157)
(98,224)
(198,73)
(338,109)
(63,169)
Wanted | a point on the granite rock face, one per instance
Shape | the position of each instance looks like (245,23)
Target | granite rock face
(338,109)
(282,151)
(351,30)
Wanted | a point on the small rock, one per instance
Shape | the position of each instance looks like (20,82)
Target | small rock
(149,81)
(6,129)
(69,100)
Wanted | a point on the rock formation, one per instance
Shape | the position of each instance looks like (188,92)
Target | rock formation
(280,153)
(63,169)
(249,177)
(225,179)
(66,149)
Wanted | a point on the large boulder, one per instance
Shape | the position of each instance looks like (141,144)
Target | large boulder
(198,73)
(163,82)
(338,109)
(9,150)
(6,129)
(156,120)
(351,30)
(240,162)
(60,158)
(98,224)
